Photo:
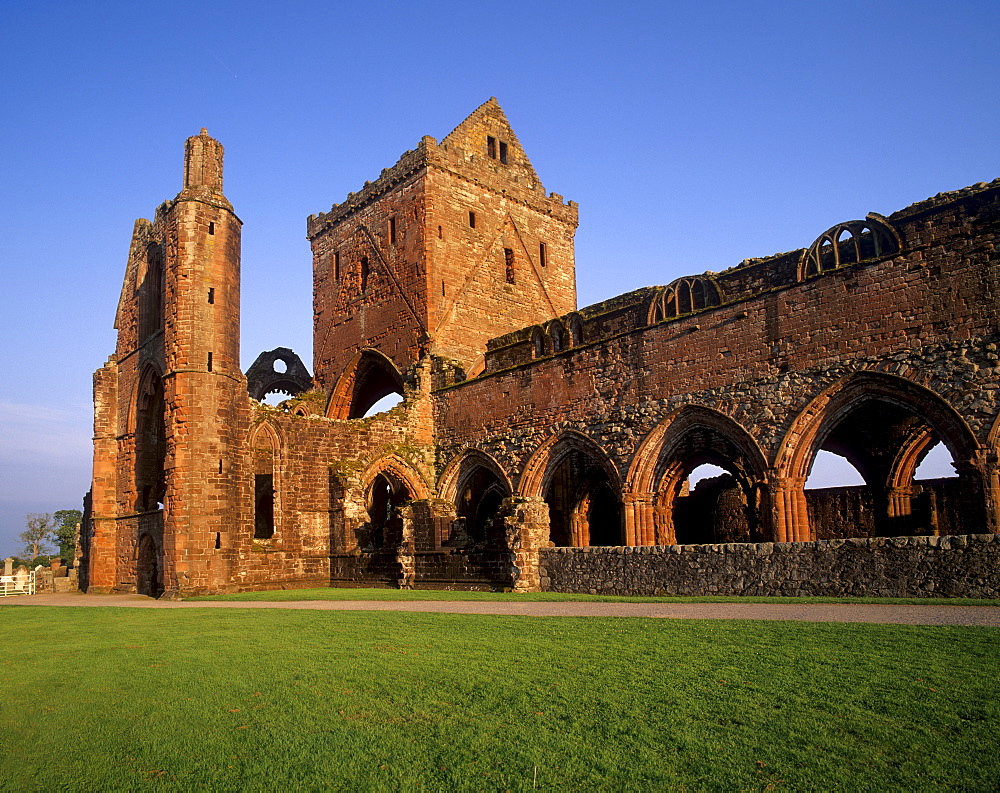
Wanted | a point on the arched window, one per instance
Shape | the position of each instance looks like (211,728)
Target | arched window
(848,243)
(150,444)
(557,334)
(575,330)
(537,342)
(684,296)
(368,380)
(151,294)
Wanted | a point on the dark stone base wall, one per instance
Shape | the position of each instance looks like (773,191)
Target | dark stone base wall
(957,566)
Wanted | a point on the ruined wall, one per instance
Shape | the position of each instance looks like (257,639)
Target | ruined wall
(926,316)
(959,566)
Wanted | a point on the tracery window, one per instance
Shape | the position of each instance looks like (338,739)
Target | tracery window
(684,296)
(848,243)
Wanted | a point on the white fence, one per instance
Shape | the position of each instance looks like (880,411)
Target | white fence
(20,583)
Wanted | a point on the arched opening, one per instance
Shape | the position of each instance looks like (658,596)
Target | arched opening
(537,342)
(585,508)
(150,444)
(359,393)
(149,568)
(479,499)
(384,530)
(704,477)
(151,294)
(884,443)
(265,450)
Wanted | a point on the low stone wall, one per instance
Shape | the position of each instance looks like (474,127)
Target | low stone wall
(958,566)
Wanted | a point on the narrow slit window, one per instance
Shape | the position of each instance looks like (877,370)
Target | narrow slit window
(541,254)
(211,228)
(491,146)
(440,233)
(211,295)
(503,152)
(220,465)
(364,273)
(218,540)
(442,289)
(472,220)
(336,266)
(392,231)
(508,260)
(210,362)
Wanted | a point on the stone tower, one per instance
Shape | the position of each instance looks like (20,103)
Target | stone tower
(171,401)
(456,244)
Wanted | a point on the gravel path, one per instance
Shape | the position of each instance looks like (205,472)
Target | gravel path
(811,612)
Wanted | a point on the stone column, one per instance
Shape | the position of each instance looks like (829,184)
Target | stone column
(526,529)
(789,512)
(640,528)
(8,566)
(406,550)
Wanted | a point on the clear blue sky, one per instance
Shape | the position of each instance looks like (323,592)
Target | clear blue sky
(692,134)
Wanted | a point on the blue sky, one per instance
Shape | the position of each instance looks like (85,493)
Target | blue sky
(693,135)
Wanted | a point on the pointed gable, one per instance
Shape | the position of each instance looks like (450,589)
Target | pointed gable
(486,141)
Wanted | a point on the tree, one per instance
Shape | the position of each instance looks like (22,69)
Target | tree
(38,534)
(67,524)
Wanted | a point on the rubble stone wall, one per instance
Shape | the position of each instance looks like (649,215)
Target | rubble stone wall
(959,566)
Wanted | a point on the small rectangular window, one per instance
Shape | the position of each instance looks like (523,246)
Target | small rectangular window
(541,253)
(508,258)
(392,231)
(472,220)
(491,146)
(211,295)
(211,228)
(210,362)
(220,465)
(218,540)
(336,266)
(503,152)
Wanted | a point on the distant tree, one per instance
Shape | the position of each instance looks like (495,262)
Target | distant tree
(67,523)
(38,534)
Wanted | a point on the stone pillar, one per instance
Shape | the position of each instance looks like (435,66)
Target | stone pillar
(992,492)
(526,529)
(900,509)
(789,512)
(640,528)
(406,551)
(8,566)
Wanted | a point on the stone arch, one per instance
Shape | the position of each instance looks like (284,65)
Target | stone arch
(149,432)
(557,336)
(538,344)
(575,323)
(388,485)
(148,566)
(265,447)
(684,296)
(883,424)
(730,508)
(848,243)
(476,484)
(367,378)
(577,480)
(263,378)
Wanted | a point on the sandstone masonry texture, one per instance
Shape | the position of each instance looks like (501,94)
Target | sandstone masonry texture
(538,445)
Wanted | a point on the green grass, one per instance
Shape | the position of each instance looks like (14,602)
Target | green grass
(551,597)
(127,699)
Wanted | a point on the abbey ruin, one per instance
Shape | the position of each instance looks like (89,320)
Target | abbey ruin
(538,445)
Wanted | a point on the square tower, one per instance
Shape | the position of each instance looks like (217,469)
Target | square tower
(456,244)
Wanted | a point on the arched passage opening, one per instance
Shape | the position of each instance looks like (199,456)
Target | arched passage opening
(581,490)
(481,493)
(708,490)
(698,477)
(150,444)
(149,568)
(385,497)
(884,427)
(371,384)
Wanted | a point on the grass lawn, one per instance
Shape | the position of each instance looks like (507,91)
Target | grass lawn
(329,593)
(125,699)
